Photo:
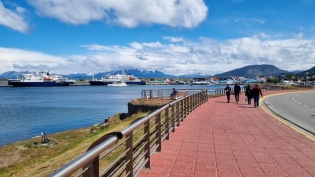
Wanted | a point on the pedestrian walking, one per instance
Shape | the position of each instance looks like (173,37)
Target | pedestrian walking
(237,92)
(248,94)
(256,91)
(228,92)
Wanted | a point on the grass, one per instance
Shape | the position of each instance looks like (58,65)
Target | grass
(29,158)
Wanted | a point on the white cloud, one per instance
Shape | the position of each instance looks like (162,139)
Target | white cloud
(247,21)
(174,39)
(206,55)
(17,59)
(128,13)
(299,35)
(264,35)
(13,18)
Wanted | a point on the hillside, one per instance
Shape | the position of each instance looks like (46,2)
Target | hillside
(254,71)
(310,71)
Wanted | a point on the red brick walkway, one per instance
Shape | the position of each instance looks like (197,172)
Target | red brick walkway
(229,139)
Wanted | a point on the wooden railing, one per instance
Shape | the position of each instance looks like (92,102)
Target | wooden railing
(126,152)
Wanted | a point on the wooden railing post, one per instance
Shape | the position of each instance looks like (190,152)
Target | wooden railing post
(177,114)
(129,155)
(151,94)
(167,125)
(146,130)
(158,133)
(182,109)
(173,118)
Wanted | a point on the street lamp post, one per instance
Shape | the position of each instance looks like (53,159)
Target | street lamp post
(305,77)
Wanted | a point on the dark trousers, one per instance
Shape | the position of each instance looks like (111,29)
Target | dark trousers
(256,101)
(228,96)
(237,97)
(249,99)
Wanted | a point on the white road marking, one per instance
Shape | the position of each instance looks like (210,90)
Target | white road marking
(305,105)
(299,102)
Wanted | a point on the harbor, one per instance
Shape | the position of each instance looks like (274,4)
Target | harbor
(55,109)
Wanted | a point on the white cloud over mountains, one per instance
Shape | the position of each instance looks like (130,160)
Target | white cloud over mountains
(175,56)
(127,13)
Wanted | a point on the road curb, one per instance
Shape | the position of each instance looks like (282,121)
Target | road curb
(282,119)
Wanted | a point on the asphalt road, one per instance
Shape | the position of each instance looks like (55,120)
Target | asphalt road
(298,108)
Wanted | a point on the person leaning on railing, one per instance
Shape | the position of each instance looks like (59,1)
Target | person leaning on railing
(173,94)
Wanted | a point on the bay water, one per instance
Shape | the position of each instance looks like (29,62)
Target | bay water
(25,112)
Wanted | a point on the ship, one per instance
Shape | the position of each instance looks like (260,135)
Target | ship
(176,82)
(110,79)
(117,84)
(42,79)
(200,81)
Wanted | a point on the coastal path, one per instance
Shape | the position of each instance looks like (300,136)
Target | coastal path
(230,139)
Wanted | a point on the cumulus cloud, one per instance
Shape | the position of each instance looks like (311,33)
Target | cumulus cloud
(17,60)
(207,55)
(127,13)
(13,18)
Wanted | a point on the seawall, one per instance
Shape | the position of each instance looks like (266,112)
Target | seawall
(140,105)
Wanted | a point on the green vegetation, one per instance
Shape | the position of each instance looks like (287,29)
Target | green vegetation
(273,80)
(31,158)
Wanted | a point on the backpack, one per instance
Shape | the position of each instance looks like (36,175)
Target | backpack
(248,92)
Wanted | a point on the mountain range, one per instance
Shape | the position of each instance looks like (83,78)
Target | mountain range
(310,71)
(247,71)
(254,71)
(135,72)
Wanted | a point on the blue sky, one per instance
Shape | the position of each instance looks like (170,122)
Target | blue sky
(173,36)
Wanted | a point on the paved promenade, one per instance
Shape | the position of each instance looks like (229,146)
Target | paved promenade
(229,139)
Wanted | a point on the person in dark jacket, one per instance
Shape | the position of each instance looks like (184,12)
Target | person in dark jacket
(256,91)
(248,94)
(173,94)
(237,92)
(228,92)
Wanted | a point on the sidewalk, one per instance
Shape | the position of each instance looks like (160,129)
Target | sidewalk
(229,139)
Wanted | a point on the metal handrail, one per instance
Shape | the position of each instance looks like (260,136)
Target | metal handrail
(138,148)
(84,159)
(162,93)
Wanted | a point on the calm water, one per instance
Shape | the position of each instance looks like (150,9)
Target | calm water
(26,112)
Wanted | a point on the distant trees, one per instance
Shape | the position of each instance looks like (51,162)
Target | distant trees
(273,80)
(288,77)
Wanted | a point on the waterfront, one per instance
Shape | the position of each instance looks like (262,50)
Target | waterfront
(26,112)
